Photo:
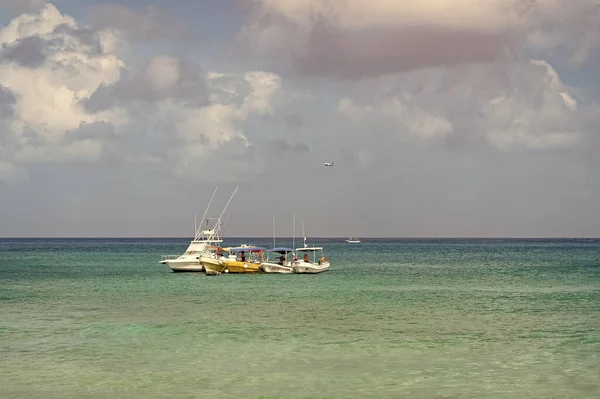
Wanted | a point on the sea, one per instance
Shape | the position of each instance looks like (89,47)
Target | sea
(392,318)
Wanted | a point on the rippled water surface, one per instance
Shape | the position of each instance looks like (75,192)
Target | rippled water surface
(405,318)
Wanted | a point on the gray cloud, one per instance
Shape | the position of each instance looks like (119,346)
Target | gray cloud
(94,130)
(354,40)
(510,105)
(348,54)
(346,39)
(32,51)
(84,36)
(151,23)
(295,120)
(7,100)
(283,146)
(28,52)
(161,78)
(20,6)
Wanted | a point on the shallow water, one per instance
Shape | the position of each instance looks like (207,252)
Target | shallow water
(392,318)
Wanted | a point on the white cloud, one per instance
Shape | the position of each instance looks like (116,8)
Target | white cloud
(203,130)
(402,114)
(36,24)
(52,69)
(48,97)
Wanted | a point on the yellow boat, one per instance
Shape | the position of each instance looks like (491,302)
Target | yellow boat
(242,260)
(211,260)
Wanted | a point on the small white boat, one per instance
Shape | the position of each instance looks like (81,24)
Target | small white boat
(352,240)
(309,264)
(278,265)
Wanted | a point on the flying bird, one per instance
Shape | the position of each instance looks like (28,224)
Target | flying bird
(328,164)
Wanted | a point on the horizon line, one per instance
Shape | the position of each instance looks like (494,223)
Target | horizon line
(313,237)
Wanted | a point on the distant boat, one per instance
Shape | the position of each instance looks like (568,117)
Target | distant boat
(353,240)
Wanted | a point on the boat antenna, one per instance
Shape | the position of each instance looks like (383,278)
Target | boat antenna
(274,231)
(303,235)
(205,212)
(294,234)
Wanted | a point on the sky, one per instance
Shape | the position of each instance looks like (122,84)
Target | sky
(445,118)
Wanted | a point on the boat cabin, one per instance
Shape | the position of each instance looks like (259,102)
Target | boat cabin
(282,259)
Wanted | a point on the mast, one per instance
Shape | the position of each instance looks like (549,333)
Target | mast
(195,224)
(274,231)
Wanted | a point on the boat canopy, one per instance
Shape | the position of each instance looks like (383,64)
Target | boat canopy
(309,249)
(246,249)
(281,250)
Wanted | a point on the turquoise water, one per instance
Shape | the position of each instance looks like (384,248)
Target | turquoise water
(409,318)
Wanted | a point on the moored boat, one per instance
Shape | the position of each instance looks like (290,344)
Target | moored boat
(309,264)
(189,261)
(280,264)
(243,259)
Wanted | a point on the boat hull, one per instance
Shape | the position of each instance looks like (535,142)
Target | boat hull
(185,266)
(241,267)
(310,268)
(212,266)
(275,268)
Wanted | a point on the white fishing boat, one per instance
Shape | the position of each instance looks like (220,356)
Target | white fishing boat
(352,240)
(191,260)
(308,262)
(206,234)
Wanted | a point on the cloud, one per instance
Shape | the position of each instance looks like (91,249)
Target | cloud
(203,130)
(48,94)
(21,6)
(570,28)
(150,23)
(508,105)
(353,39)
(163,77)
(295,120)
(283,146)
(27,52)
(66,96)
(7,101)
